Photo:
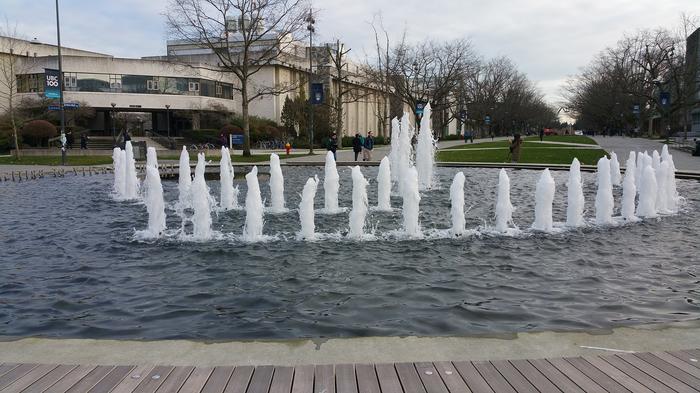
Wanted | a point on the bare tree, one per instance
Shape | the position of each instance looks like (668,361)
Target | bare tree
(245,36)
(12,63)
(377,74)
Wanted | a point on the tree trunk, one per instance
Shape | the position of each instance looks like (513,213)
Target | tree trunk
(14,130)
(339,115)
(246,118)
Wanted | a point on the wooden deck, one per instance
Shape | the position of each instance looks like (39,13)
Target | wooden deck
(677,371)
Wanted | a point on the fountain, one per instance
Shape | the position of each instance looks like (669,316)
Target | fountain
(639,169)
(425,152)
(504,209)
(615,176)
(411,204)
(131,188)
(629,189)
(229,194)
(662,202)
(394,152)
(604,202)
(119,159)
(253,228)
(153,197)
(201,202)
(331,185)
(276,186)
(384,185)
(575,201)
(404,154)
(184,184)
(358,213)
(306,210)
(672,198)
(647,192)
(459,222)
(544,196)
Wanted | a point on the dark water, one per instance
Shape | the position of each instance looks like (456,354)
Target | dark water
(69,267)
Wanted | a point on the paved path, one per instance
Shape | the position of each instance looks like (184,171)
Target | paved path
(622,146)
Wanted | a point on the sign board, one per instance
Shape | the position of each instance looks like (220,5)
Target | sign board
(71,105)
(463,115)
(665,98)
(487,120)
(636,109)
(316,93)
(420,106)
(52,83)
(134,106)
(235,139)
(54,108)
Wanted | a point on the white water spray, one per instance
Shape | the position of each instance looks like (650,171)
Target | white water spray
(276,185)
(425,152)
(504,209)
(384,185)
(306,210)
(629,189)
(405,152)
(575,201)
(394,152)
(184,184)
(544,196)
(229,194)
(153,197)
(331,185)
(131,188)
(201,202)
(119,159)
(411,203)
(457,204)
(615,175)
(253,228)
(359,204)
(604,202)
(647,194)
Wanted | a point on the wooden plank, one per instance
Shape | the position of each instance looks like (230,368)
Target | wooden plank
(670,369)
(240,379)
(598,376)
(175,379)
(410,381)
(7,367)
(687,357)
(555,376)
(472,378)
(692,370)
(579,378)
(430,378)
(536,378)
(218,380)
(450,376)
(637,374)
(388,379)
(513,376)
(345,379)
(152,381)
(324,379)
(112,379)
(132,380)
(29,378)
(195,382)
(282,380)
(49,379)
(303,379)
(91,379)
(262,377)
(656,373)
(16,373)
(493,377)
(70,379)
(367,381)
(617,375)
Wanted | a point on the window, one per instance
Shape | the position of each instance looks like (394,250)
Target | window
(193,86)
(115,82)
(152,84)
(219,90)
(70,80)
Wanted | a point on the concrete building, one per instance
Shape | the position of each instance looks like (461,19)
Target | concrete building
(693,62)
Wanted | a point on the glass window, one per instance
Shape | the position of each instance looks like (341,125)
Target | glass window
(93,82)
(152,84)
(115,82)
(193,86)
(135,83)
(70,81)
(207,88)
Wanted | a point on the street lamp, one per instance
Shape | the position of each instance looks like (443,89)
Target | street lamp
(167,119)
(415,89)
(310,27)
(60,99)
(114,133)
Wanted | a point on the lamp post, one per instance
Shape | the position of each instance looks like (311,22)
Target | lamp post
(415,89)
(60,99)
(114,133)
(310,27)
(167,119)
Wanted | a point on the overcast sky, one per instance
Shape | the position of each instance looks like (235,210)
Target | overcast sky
(548,39)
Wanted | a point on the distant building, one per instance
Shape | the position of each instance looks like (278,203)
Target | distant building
(693,62)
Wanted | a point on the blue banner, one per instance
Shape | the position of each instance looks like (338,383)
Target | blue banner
(52,83)
(236,139)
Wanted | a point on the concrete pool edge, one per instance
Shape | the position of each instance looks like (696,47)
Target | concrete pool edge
(644,338)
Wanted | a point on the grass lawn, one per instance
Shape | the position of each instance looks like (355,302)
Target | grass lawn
(528,155)
(505,144)
(56,160)
(564,138)
(235,158)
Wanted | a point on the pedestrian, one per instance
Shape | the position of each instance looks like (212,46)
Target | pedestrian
(515,146)
(541,134)
(288,147)
(357,145)
(367,147)
(83,141)
(222,140)
(333,145)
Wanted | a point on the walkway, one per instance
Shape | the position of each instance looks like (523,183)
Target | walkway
(676,371)
(622,146)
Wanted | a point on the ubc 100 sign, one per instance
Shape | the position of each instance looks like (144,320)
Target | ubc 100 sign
(52,83)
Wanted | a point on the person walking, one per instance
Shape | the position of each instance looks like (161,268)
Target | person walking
(541,134)
(83,141)
(357,145)
(333,145)
(515,146)
(367,147)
